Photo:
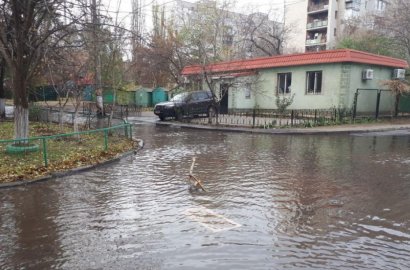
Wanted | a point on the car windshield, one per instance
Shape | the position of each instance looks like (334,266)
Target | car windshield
(180,97)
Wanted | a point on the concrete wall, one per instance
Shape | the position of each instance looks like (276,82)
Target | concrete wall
(237,94)
(328,98)
(367,99)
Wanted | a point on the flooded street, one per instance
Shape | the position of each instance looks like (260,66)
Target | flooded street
(272,202)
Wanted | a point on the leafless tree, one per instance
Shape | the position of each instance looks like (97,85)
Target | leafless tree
(395,23)
(2,90)
(66,71)
(260,36)
(397,88)
(31,26)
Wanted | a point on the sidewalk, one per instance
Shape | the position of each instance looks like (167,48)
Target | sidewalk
(401,125)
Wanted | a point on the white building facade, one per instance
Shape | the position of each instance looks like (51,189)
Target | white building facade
(318,24)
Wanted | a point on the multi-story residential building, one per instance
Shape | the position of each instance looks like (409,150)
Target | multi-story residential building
(318,24)
(236,35)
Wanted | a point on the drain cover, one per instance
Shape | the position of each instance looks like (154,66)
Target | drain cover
(210,219)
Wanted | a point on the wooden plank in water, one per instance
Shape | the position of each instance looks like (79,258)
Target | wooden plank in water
(210,220)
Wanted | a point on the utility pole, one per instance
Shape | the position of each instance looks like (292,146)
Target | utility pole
(137,24)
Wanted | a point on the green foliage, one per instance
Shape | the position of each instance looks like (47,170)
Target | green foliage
(372,44)
(283,102)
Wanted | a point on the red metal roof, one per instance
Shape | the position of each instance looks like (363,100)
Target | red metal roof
(311,58)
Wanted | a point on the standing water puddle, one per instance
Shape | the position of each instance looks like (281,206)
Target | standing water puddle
(272,202)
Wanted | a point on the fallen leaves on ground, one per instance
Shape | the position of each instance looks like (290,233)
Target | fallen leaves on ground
(62,153)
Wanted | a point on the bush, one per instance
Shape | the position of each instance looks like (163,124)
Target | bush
(282,103)
(34,112)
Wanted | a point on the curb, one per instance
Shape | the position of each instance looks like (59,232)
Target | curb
(335,131)
(55,175)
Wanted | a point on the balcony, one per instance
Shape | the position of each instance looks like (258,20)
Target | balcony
(316,39)
(312,8)
(316,25)
(315,42)
(315,48)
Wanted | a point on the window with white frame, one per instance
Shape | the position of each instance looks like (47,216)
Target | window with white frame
(381,5)
(314,82)
(248,91)
(284,83)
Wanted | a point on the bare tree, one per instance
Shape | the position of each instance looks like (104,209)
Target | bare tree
(66,70)
(29,27)
(260,36)
(397,88)
(384,32)
(395,24)
(2,90)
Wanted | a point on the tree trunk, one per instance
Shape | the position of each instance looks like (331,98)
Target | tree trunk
(2,91)
(21,123)
(61,117)
(76,111)
(2,108)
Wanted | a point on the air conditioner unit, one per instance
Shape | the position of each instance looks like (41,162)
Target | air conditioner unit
(399,73)
(367,74)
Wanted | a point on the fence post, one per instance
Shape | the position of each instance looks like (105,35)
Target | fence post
(253,117)
(130,131)
(355,104)
(106,139)
(291,118)
(45,152)
(378,103)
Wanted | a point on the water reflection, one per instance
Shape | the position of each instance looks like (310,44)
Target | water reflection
(303,202)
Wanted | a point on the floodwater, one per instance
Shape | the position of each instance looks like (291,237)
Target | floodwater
(272,202)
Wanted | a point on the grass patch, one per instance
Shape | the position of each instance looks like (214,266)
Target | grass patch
(63,153)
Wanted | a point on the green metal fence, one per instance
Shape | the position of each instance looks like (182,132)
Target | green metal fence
(63,150)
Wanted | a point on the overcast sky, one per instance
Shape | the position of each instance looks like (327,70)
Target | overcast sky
(273,7)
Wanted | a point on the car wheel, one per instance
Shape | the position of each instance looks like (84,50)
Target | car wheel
(178,115)
(162,118)
(211,111)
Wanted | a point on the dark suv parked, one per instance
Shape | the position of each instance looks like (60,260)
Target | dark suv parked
(190,104)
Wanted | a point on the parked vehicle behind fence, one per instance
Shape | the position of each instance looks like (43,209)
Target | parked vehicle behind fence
(187,104)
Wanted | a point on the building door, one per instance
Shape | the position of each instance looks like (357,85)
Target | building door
(223,105)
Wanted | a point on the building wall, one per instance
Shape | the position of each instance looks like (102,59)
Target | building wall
(367,99)
(296,16)
(295,21)
(339,83)
(328,98)
(333,23)
(237,99)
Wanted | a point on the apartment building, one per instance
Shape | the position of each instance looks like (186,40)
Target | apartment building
(317,25)
(237,35)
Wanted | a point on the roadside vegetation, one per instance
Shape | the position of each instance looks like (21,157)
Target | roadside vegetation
(64,153)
